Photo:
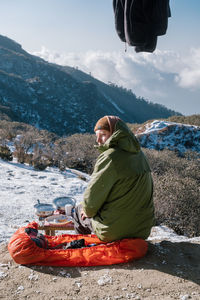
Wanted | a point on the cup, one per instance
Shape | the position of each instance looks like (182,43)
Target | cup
(68,210)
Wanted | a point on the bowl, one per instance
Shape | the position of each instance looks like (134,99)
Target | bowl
(44,209)
(60,202)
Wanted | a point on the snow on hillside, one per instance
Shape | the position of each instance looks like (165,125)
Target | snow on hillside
(161,135)
(21,186)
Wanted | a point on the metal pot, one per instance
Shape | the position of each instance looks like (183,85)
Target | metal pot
(60,202)
(43,210)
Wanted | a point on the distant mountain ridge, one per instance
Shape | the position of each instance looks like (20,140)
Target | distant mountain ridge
(61,99)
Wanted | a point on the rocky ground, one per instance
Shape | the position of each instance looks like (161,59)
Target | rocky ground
(169,271)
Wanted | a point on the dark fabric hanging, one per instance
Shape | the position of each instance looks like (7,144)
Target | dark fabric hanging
(140,22)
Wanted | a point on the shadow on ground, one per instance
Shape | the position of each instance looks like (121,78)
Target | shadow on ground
(177,259)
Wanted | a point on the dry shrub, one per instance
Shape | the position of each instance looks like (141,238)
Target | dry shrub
(176,190)
(192,120)
(134,127)
(40,164)
(5,153)
(39,161)
(176,181)
(77,151)
(20,154)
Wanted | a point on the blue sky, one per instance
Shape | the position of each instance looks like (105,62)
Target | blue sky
(82,33)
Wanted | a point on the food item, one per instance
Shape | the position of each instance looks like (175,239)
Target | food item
(57,219)
(62,220)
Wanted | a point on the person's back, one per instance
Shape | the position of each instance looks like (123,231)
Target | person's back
(119,197)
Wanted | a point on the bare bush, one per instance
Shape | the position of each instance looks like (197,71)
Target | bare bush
(77,151)
(3,136)
(38,161)
(5,153)
(176,179)
(20,154)
(192,120)
(176,191)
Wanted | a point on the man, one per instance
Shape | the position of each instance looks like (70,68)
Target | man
(118,202)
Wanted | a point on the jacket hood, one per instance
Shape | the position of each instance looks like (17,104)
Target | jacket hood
(122,138)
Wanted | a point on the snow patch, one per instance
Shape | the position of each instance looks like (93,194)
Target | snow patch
(114,104)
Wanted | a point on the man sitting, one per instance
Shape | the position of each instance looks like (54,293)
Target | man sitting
(118,202)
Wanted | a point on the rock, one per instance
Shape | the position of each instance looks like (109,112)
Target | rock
(185,297)
(105,279)
(3,275)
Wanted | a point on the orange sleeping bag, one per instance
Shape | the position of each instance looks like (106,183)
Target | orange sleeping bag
(25,251)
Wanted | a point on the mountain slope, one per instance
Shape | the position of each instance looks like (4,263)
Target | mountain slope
(56,98)
(137,109)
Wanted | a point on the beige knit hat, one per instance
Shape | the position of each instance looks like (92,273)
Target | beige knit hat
(107,123)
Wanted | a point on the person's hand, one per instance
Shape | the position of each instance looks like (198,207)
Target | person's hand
(83,215)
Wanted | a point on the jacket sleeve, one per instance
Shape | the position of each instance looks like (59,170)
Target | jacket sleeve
(118,7)
(99,187)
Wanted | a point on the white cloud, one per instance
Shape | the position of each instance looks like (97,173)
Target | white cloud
(130,69)
(189,76)
(163,77)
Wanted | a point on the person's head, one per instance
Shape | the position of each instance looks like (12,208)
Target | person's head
(104,128)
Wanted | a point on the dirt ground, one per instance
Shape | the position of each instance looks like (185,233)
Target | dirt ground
(168,271)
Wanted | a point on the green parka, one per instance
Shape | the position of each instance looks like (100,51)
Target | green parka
(119,196)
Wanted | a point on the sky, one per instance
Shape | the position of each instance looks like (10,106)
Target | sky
(81,33)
